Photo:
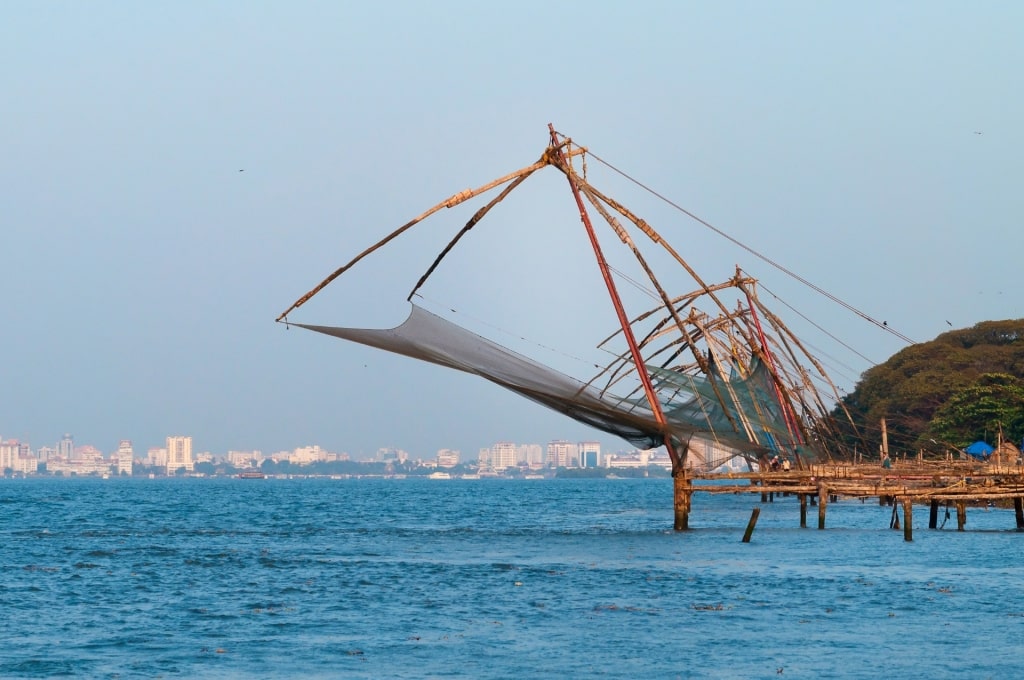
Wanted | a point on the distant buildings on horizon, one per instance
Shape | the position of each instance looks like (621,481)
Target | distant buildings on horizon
(177,457)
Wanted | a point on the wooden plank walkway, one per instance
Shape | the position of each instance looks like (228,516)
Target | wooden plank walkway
(959,484)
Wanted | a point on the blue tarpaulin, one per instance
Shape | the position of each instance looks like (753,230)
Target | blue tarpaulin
(979,449)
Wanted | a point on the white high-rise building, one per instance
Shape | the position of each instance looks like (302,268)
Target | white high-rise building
(8,455)
(17,457)
(503,456)
(563,454)
(66,447)
(157,457)
(590,454)
(307,455)
(447,458)
(125,457)
(179,454)
(531,455)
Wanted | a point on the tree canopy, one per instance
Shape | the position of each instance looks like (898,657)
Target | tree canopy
(963,386)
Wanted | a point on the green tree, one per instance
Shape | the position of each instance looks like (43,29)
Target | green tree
(915,386)
(995,402)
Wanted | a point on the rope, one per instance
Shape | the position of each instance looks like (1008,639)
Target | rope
(636,284)
(804,317)
(821,291)
(501,330)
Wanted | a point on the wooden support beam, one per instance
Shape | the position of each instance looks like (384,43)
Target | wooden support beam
(751,524)
(682,490)
(822,503)
(952,484)
(908,521)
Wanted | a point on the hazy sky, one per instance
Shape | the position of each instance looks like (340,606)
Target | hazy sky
(142,271)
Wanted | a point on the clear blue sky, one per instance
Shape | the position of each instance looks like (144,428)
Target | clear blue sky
(142,271)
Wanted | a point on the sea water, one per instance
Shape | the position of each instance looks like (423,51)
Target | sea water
(417,578)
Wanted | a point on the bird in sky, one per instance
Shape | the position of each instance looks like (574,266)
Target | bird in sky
(977,132)
(948,323)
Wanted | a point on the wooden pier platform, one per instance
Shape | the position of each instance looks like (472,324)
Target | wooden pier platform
(908,483)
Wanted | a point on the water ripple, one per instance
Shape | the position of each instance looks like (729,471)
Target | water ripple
(416,579)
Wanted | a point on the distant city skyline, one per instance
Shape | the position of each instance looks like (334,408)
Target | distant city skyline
(67,445)
(177,455)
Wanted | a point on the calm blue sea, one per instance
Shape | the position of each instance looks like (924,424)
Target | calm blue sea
(226,578)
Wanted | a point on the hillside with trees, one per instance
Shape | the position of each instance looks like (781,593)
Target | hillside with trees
(963,386)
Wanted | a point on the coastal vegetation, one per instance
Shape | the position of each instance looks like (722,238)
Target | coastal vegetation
(963,386)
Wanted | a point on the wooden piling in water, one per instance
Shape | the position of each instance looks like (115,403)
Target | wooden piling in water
(936,483)
(908,522)
(751,524)
(822,503)
(682,490)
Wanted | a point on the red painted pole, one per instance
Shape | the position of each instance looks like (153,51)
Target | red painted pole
(627,331)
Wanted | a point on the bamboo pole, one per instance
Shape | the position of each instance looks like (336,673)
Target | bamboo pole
(447,203)
(751,524)
(556,153)
(885,440)
(822,503)
(908,522)
(682,491)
